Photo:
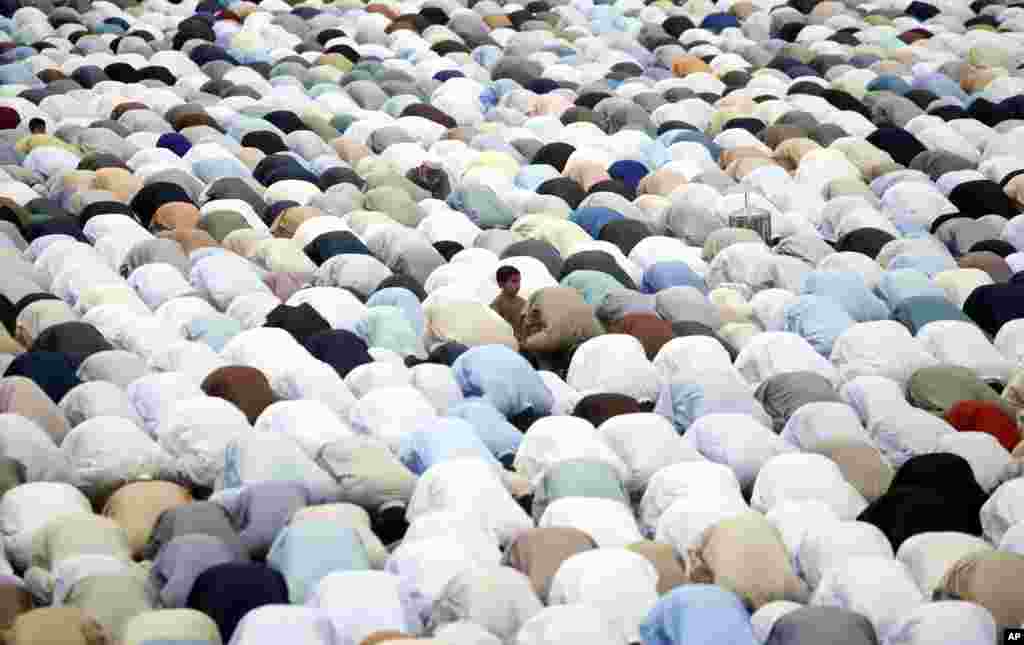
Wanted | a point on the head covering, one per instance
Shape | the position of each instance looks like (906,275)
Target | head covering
(698,614)
(246,387)
(54,372)
(814,625)
(227,592)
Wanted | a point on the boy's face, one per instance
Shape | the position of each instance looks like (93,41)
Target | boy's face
(511,286)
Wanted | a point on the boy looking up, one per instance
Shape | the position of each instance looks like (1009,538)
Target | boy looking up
(508,304)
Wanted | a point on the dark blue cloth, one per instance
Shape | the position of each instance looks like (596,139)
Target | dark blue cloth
(628,172)
(175,142)
(992,306)
(227,592)
(339,348)
(719,22)
(53,372)
(327,245)
(592,219)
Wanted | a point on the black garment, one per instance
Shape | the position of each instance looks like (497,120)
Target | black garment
(77,340)
(993,305)
(900,144)
(624,233)
(148,200)
(596,261)
(53,372)
(539,250)
(227,592)
(554,154)
(448,249)
(328,245)
(302,322)
(433,180)
(389,524)
(868,241)
(598,408)
(976,199)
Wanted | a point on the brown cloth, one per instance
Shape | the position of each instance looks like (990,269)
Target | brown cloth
(385,636)
(21,395)
(991,579)
(671,568)
(585,173)
(190,239)
(512,310)
(686,65)
(661,182)
(995,266)
(557,319)
(176,216)
(291,219)
(598,408)
(746,555)
(861,464)
(246,387)
(350,151)
(538,553)
(15,600)
(649,329)
(137,506)
(56,626)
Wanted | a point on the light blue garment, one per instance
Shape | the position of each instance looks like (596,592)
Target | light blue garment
(671,137)
(698,615)
(715,391)
(501,437)
(849,291)
(308,550)
(665,275)
(930,265)
(406,301)
(594,286)
(594,218)
(387,327)
(504,378)
(818,320)
(210,170)
(896,286)
(214,330)
(438,440)
(533,175)
(18,73)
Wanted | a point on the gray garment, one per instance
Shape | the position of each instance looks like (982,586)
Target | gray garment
(817,625)
(415,257)
(117,366)
(782,395)
(961,233)
(11,231)
(809,248)
(367,94)
(262,509)
(887,107)
(678,304)
(156,251)
(619,302)
(936,163)
(203,518)
(181,561)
